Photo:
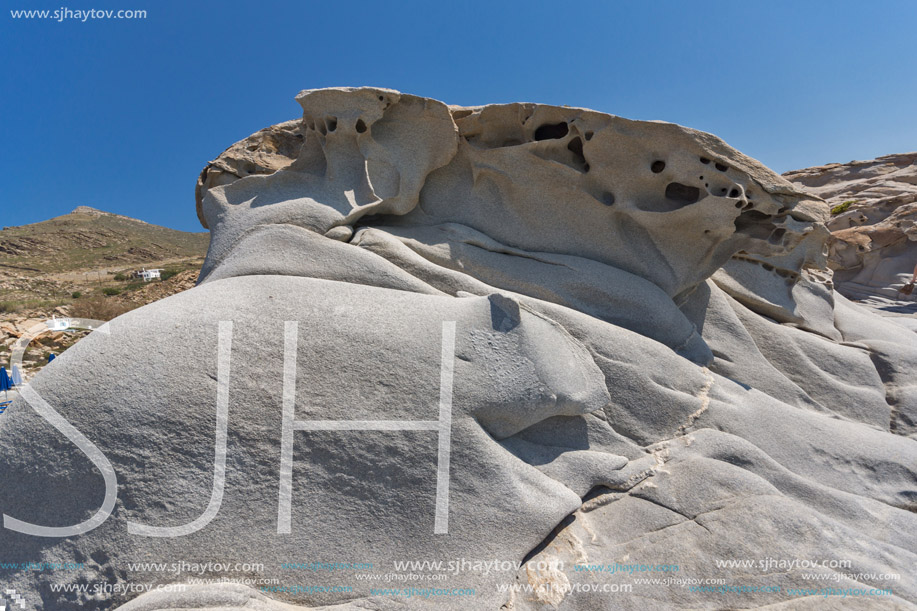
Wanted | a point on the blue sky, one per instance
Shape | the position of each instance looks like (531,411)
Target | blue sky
(123,114)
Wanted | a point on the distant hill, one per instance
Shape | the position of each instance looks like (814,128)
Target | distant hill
(81,264)
(89,239)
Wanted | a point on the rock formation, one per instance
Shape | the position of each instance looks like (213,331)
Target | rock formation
(515,332)
(873,245)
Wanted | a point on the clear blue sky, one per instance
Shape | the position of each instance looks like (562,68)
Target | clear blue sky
(123,114)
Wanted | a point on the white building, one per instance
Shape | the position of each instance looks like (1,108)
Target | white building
(149,274)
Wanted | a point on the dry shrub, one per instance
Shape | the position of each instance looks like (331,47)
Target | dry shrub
(98,307)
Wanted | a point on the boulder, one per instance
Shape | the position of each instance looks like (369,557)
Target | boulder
(522,348)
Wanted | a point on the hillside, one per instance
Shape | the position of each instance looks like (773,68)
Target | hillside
(80,264)
(88,239)
(44,264)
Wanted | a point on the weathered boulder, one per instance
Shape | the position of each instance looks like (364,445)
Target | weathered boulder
(514,333)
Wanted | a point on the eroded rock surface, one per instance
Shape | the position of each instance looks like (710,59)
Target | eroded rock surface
(873,245)
(629,328)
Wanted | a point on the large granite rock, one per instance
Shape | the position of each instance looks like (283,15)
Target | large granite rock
(462,335)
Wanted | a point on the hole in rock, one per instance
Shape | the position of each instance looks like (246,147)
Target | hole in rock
(575,146)
(682,194)
(300,137)
(734,193)
(608,198)
(783,210)
(777,236)
(332,124)
(704,160)
(551,131)
(748,206)
(754,224)
(723,190)
(586,168)
(361,127)
(658,166)
(381,98)
(739,204)
(768,267)
(720,167)
(589,135)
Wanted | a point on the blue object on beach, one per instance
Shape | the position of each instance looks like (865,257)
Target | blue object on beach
(51,357)
(16,378)
(5,382)
(4,405)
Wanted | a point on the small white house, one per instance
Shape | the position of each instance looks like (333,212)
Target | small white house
(149,274)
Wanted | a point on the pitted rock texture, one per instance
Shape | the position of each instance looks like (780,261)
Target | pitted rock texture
(650,366)
(663,202)
(873,245)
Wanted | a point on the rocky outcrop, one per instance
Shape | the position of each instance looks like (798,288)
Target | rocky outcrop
(515,333)
(873,245)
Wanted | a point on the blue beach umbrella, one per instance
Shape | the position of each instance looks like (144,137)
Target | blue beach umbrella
(51,357)
(16,378)
(4,380)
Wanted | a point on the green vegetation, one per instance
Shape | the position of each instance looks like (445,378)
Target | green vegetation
(120,277)
(168,273)
(842,207)
(111,291)
(76,294)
